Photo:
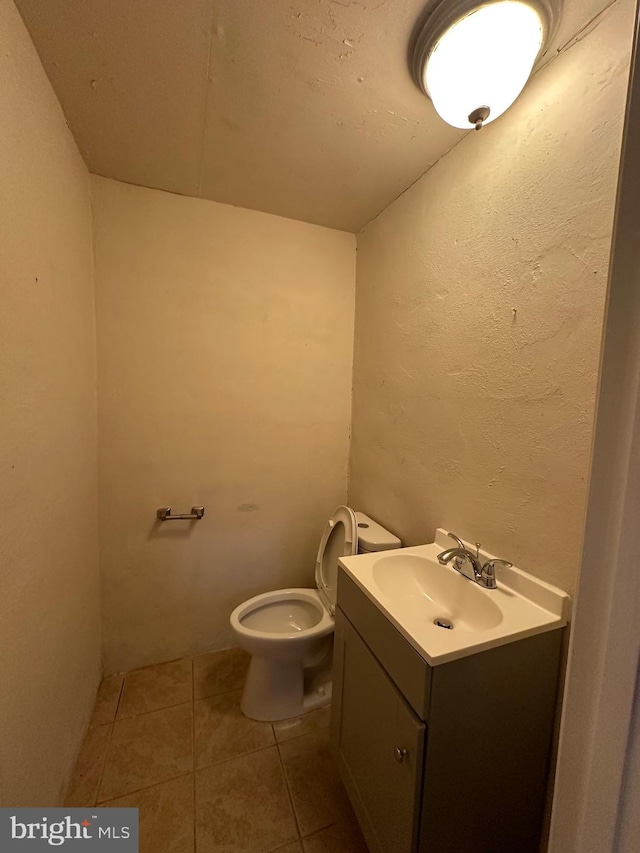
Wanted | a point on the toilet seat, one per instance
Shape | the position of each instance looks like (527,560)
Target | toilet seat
(340,539)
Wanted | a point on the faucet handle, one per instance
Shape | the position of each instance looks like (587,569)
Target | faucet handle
(493,563)
(488,573)
(459,541)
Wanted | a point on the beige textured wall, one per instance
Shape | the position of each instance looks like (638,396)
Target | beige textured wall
(464,415)
(224,356)
(49,614)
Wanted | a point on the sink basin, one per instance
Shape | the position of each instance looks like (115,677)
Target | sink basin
(446,616)
(437,591)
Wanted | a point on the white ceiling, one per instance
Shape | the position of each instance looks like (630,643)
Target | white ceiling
(303,108)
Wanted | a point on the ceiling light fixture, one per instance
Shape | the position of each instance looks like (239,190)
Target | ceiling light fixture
(473,59)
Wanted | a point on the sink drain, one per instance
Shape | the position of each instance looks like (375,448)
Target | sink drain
(443,623)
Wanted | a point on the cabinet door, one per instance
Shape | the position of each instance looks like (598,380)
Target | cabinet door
(379,744)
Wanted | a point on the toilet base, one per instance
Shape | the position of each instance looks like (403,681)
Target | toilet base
(319,697)
(276,690)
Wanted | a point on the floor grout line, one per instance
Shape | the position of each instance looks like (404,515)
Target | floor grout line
(285,847)
(235,757)
(214,695)
(104,764)
(301,734)
(290,795)
(322,829)
(194,700)
(140,790)
(109,739)
(153,711)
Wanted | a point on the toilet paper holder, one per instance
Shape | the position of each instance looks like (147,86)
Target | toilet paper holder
(164,514)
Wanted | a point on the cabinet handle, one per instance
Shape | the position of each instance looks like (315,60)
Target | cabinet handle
(399,754)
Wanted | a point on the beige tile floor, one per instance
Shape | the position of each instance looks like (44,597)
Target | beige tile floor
(171,741)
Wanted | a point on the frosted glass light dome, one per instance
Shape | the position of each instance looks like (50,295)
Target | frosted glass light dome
(482,60)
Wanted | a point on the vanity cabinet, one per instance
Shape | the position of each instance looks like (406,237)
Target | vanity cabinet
(446,759)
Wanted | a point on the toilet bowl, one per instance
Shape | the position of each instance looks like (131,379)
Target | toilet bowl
(289,632)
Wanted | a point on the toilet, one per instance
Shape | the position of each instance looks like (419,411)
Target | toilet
(289,632)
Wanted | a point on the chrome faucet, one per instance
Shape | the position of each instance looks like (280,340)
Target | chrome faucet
(483,574)
(462,556)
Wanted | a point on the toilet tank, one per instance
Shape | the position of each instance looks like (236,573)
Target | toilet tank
(373,536)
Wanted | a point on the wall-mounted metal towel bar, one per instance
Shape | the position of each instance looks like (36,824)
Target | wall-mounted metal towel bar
(164,514)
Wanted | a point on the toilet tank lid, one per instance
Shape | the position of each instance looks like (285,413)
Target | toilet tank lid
(373,536)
